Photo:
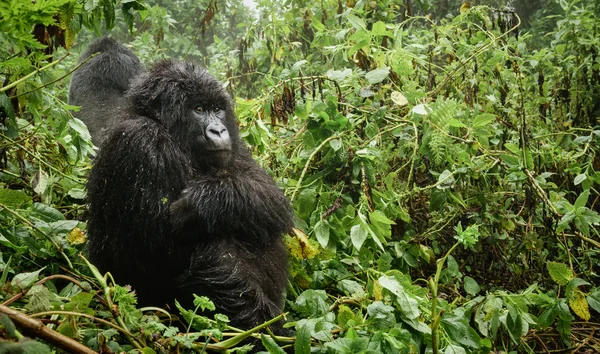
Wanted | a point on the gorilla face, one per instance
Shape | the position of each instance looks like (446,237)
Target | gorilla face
(211,138)
(194,108)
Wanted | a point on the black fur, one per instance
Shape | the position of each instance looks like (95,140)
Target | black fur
(172,218)
(98,85)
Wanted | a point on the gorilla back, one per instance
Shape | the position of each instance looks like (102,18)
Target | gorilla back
(178,206)
(98,85)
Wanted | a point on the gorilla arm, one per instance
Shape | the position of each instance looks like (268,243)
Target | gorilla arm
(241,261)
(137,172)
(240,202)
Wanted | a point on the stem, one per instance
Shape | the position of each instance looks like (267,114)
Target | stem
(226,344)
(111,306)
(305,169)
(433,285)
(31,74)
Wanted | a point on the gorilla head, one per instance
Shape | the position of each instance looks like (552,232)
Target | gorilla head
(193,107)
(98,85)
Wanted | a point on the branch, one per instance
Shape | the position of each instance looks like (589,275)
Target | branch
(37,329)
(31,74)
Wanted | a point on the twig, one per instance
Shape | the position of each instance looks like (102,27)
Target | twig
(41,161)
(37,329)
(79,314)
(57,79)
(31,74)
(305,169)
(40,282)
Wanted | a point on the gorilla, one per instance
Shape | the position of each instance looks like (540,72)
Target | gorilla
(177,205)
(98,85)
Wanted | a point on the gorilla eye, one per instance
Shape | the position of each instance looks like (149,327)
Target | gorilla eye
(199,109)
(216,109)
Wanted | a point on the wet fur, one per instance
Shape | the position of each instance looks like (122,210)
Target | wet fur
(172,222)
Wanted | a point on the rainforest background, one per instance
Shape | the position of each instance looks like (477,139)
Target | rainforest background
(441,157)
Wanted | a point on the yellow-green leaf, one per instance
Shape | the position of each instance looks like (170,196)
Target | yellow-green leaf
(579,305)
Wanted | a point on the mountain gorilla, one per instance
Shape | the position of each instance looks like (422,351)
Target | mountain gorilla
(178,206)
(98,85)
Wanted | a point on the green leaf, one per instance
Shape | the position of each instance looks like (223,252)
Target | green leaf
(483,120)
(322,232)
(379,236)
(514,148)
(381,315)
(80,127)
(547,318)
(378,217)
(46,213)
(14,198)
(351,288)
(39,299)
(471,285)
(311,303)
(89,5)
(26,345)
(437,199)
(25,280)
(318,25)
(378,75)
(454,349)
(77,193)
(514,324)
(349,346)
(511,161)
(594,299)
(528,159)
(204,303)
(68,329)
(356,22)
(582,199)
(79,302)
(335,144)
(270,345)
(191,317)
(455,123)
(358,235)
(407,302)
(339,75)
(346,318)
(559,272)
(305,203)
(579,178)
(379,29)
(302,343)
(445,180)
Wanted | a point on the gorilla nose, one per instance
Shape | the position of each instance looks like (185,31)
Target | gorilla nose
(218,136)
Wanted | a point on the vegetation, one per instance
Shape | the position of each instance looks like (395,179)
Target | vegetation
(442,160)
